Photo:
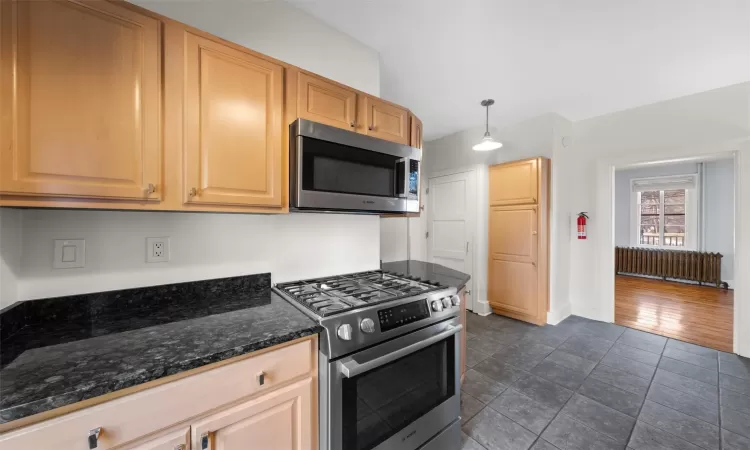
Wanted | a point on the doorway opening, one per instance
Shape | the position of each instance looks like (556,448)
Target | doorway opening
(674,250)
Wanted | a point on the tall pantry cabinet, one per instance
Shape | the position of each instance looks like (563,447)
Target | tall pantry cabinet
(518,266)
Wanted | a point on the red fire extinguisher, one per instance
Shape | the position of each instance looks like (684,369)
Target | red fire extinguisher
(582,225)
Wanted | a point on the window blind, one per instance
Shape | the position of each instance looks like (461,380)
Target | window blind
(689,181)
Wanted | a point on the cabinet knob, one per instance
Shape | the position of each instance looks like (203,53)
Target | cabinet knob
(371,128)
(150,189)
(533,233)
(94,437)
(533,199)
(261,377)
(193,192)
(353,124)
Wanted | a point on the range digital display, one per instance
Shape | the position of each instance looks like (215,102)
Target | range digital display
(407,313)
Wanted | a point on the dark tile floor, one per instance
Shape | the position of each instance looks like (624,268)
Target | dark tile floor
(586,385)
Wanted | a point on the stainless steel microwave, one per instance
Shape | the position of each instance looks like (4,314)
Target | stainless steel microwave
(332,169)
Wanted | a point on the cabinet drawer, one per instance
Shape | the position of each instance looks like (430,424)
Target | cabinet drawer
(135,416)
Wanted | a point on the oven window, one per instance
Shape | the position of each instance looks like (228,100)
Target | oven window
(331,167)
(380,403)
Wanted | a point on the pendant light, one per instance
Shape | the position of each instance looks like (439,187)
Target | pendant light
(487,143)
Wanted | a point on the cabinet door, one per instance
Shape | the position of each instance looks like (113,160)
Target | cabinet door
(80,109)
(514,183)
(173,440)
(280,420)
(233,126)
(513,281)
(384,120)
(415,135)
(325,102)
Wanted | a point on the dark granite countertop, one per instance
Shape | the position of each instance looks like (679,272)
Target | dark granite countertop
(429,271)
(57,352)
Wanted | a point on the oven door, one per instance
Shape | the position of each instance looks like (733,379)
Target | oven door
(399,394)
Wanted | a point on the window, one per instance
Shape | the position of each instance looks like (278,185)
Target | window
(665,213)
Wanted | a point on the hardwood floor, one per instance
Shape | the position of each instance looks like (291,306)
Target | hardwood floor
(698,314)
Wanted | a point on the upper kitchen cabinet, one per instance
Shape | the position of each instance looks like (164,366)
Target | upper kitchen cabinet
(80,88)
(233,124)
(384,120)
(415,135)
(514,183)
(326,102)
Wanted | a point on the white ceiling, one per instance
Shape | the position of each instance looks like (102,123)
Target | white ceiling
(578,58)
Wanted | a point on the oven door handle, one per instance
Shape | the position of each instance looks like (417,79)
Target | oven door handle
(352,368)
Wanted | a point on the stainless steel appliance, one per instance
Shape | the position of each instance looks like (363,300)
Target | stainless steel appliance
(331,169)
(389,362)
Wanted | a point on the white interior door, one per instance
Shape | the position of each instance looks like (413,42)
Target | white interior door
(450,223)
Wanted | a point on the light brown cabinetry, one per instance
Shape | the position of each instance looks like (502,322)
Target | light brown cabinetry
(80,88)
(107,105)
(326,102)
(233,125)
(515,183)
(171,440)
(518,240)
(415,135)
(280,420)
(384,120)
(225,401)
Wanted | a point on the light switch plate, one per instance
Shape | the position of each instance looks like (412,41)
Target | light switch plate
(69,254)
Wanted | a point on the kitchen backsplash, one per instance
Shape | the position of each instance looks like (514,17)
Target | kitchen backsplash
(202,246)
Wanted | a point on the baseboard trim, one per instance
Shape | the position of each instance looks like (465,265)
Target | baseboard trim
(558,315)
(482,308)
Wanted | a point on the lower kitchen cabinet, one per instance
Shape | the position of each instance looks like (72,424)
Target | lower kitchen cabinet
(172,440)
(258,401)
(280,420)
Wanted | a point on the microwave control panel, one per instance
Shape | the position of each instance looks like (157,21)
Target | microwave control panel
(400,315)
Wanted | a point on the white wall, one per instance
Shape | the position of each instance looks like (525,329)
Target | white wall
(10,254)
(202,245)
(282,31)
(719,207)
(712,122)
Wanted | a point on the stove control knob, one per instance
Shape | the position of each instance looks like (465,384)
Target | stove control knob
(437,305)
(446,302)
(345,332)
(456,300)
(367,325)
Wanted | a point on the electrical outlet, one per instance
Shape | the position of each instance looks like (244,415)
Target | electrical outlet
(157,249)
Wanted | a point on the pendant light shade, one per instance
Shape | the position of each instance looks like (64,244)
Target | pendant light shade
(487,142)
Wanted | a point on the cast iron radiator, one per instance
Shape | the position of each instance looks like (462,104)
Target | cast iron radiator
(703,267)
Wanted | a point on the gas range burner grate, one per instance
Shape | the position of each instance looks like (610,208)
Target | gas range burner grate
(332,295)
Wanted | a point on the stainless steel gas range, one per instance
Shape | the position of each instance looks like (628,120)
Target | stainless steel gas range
(389,367)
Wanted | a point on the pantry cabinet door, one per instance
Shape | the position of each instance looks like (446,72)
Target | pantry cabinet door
(280,420)
(233,125)
(384,120)
(325,102)
(80,84)
(514,183)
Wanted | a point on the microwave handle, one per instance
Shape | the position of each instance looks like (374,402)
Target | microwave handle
(402,177)
(352,368)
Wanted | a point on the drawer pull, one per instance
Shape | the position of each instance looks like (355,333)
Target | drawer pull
(94,437)
(261,377)
(204,440)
